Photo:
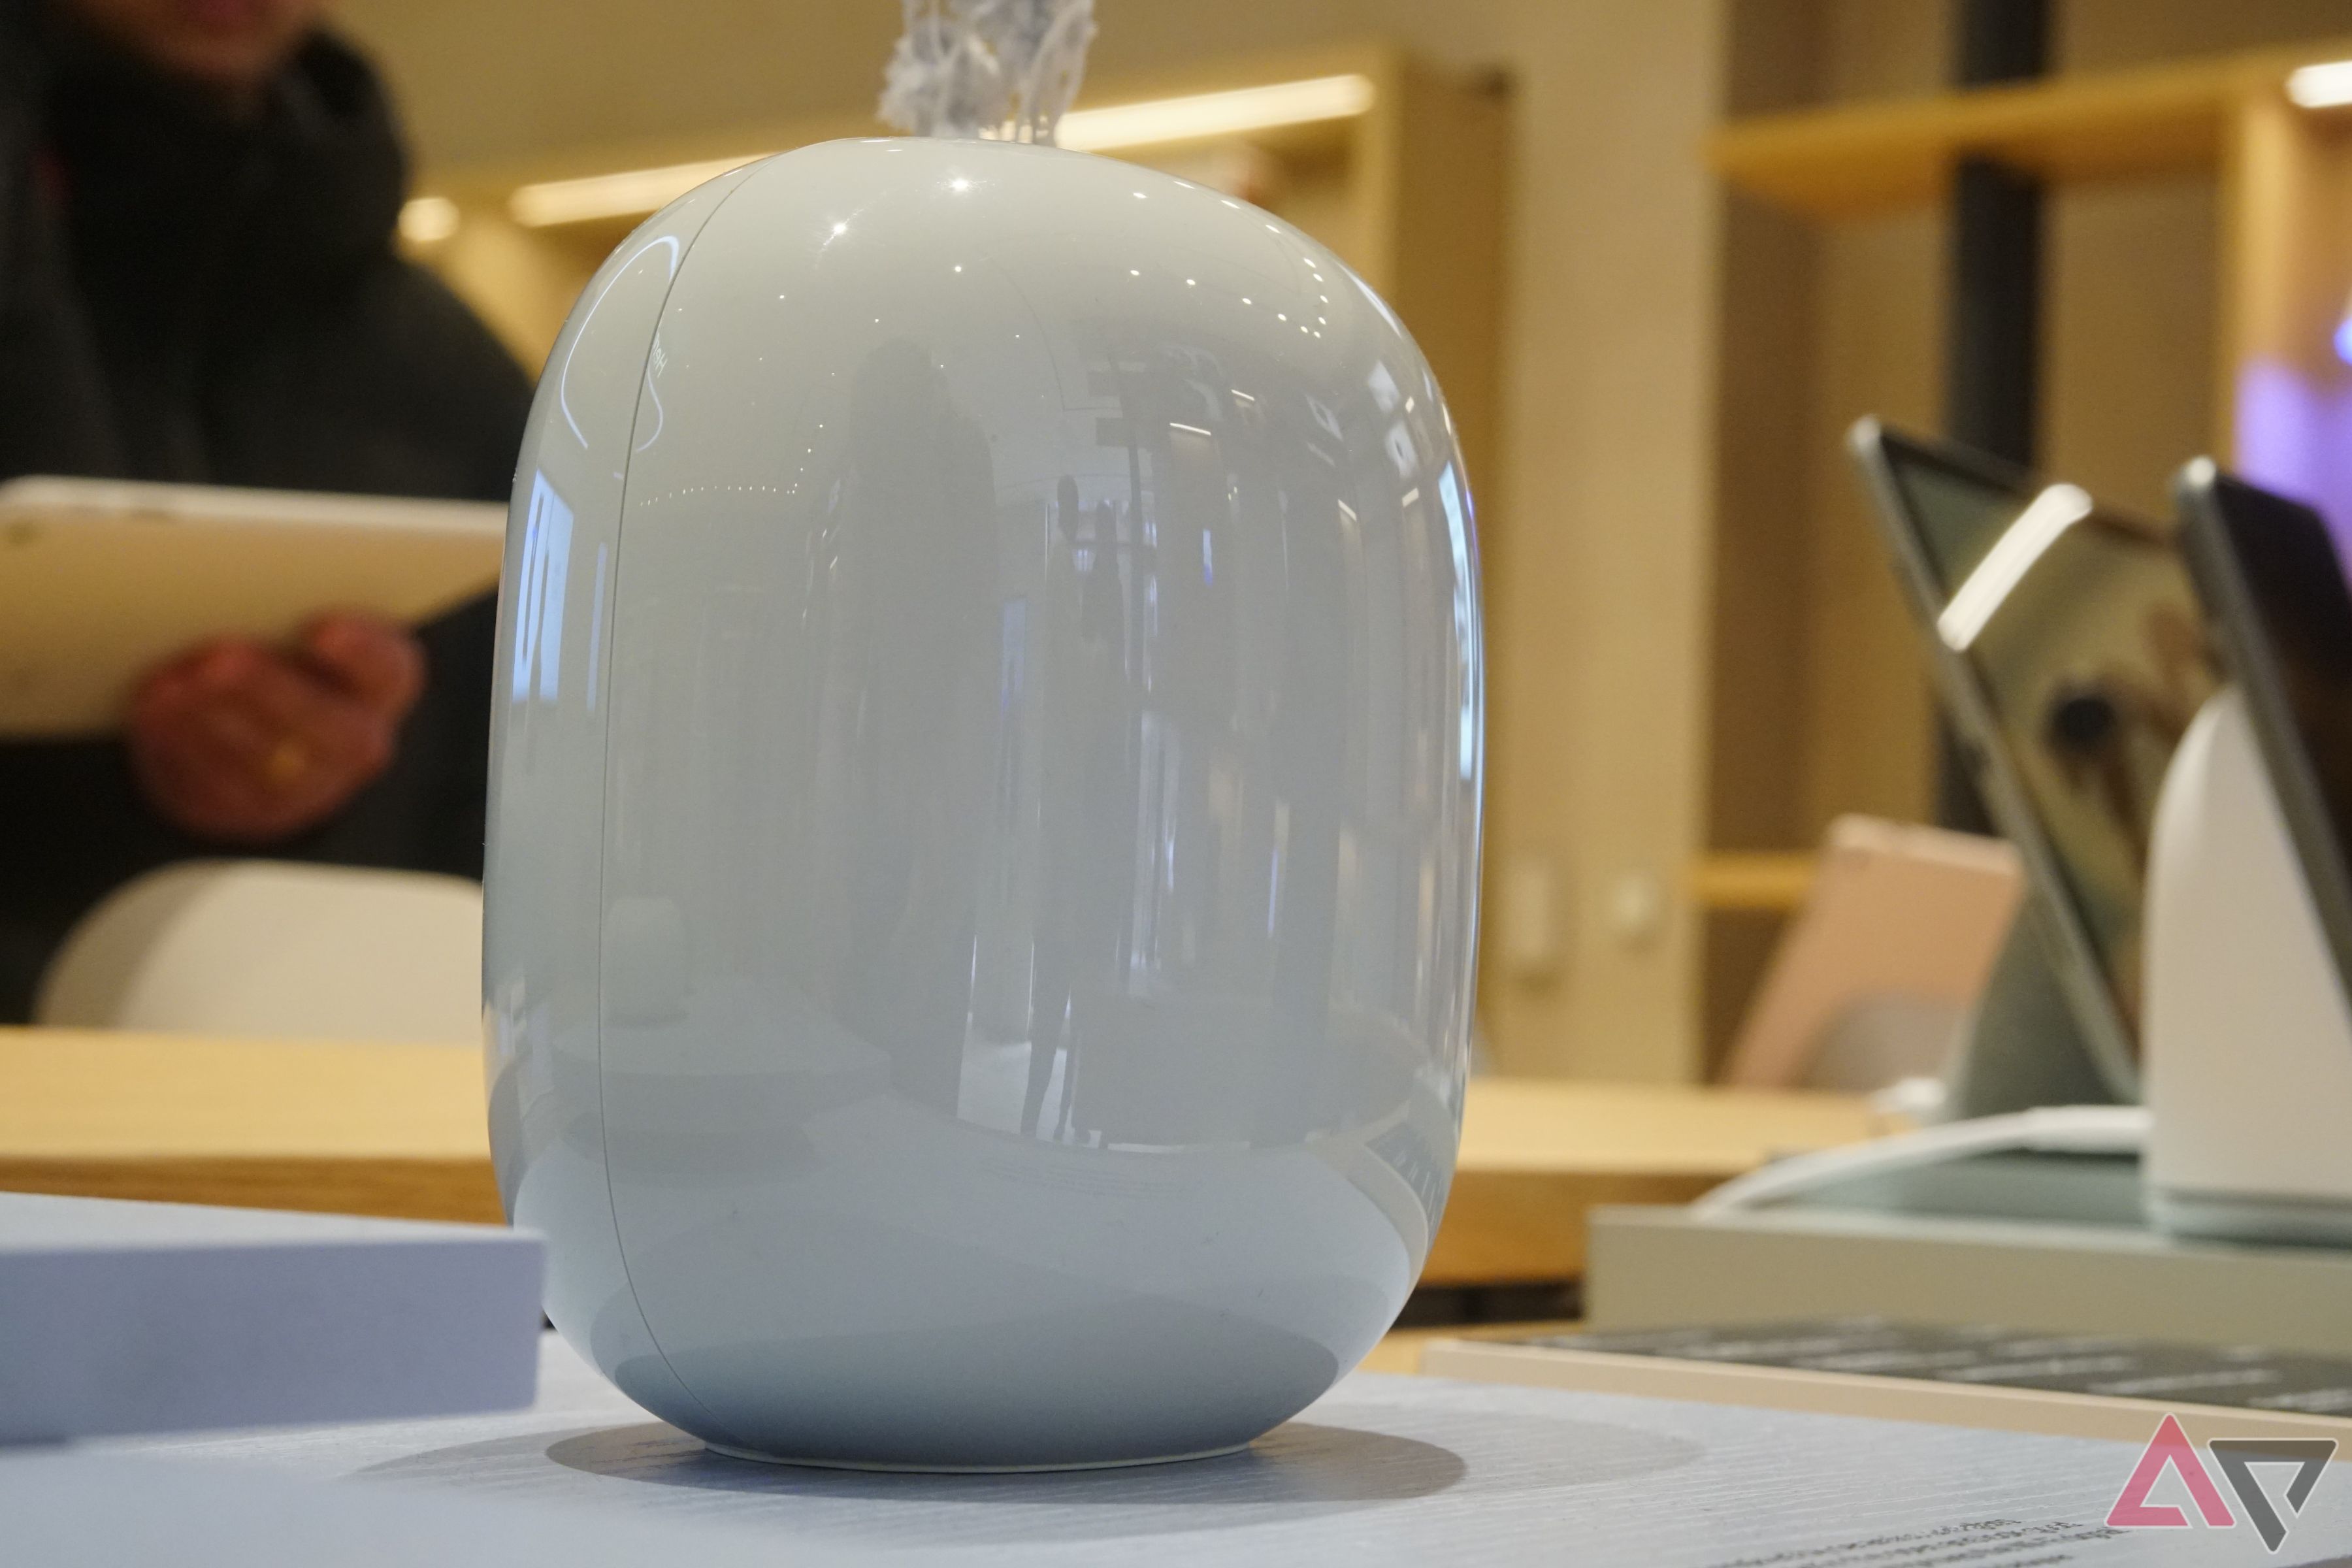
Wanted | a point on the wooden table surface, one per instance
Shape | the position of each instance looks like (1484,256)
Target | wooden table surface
(399,1130)
(1400,1348)
(1536,1153)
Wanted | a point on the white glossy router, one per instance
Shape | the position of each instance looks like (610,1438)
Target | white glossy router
(984,838)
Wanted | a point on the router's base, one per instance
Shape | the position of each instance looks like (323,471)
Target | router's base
(758,1458)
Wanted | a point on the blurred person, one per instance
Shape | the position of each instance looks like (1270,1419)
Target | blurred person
(198,284)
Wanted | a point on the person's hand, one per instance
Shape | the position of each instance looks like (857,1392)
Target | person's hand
(249,744)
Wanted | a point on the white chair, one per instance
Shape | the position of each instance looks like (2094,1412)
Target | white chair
(262,948)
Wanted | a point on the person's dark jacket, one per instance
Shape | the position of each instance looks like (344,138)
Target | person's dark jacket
(187,296)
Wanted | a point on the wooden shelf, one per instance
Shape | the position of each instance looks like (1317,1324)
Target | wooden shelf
(1880,157)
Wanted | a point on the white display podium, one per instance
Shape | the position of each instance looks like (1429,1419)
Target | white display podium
(2247,1040)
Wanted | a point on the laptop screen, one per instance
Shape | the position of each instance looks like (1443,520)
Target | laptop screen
(2085,637)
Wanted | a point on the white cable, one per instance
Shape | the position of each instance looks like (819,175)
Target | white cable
(2048,1130)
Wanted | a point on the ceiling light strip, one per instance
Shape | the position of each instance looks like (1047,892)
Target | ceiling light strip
(1209,114)
(2325,86)
(630,193)
(635,192)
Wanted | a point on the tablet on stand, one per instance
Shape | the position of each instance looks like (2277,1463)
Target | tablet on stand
(2069,648)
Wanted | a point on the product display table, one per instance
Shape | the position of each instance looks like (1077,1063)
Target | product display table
(1379,1470)
(398,1131)
(337,1127)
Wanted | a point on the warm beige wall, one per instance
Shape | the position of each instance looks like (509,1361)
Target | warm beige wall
(2134,268)
(2129,331)
(2129,374)
(1868,725)
(2093,33)
(1855,322)
(1600,607)
(1597,523)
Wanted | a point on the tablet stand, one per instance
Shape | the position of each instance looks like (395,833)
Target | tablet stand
(2021,1047)
(2247,1053)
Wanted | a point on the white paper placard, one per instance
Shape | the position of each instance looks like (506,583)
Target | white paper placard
(146,1318)
(1382,1470)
